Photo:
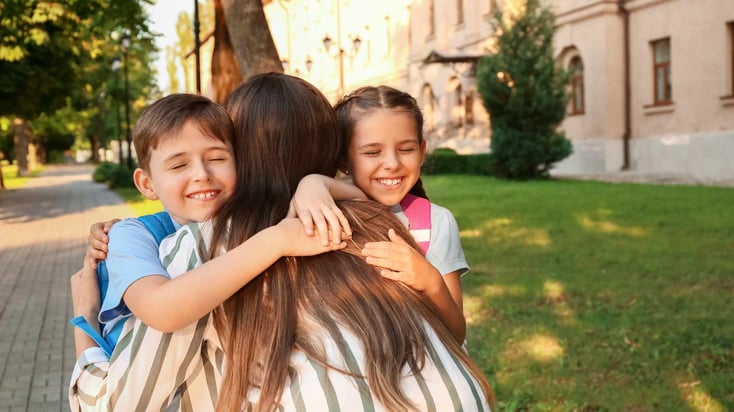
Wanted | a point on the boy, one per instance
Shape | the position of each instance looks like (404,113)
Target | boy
(183,145)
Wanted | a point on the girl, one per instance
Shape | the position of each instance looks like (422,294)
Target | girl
(383,152)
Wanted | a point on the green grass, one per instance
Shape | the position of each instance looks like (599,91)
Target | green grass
(139,204)
(10,175)
(596,296)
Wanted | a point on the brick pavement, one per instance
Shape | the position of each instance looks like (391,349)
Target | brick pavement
(43,232)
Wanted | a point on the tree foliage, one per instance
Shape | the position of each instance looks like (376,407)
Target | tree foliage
(55,57)
(525,93)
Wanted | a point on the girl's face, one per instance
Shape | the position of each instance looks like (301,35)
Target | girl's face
(385,155)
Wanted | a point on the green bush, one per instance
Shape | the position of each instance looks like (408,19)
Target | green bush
(446,161)
(115,175)
(103,172)
(121,177)
(525,92)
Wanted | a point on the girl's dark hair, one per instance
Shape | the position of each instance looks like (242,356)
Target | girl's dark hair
(285,129)
(365,100)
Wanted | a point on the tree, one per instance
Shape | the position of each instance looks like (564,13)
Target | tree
(57,53)
(525,93)
(241,32)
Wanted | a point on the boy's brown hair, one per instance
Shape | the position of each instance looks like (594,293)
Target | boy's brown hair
(167,116)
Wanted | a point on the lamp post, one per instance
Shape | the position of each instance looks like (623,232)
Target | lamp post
(356,43)
(125,43)
(115,69)
(197,47)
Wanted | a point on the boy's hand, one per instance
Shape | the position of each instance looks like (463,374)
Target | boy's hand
(397,260)
(97,248)
(313,204)
(297,243)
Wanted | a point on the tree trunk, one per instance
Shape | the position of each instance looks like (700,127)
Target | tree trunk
(253,44)
(21,135)
(225,70)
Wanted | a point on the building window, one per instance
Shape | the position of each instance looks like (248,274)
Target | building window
(730,26)
(458,100)
(459,11)
(469,108)
(431,17)
(428,109)
(576,70)
(661,70)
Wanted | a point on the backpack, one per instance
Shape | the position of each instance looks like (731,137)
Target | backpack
(159,225)
(418,211)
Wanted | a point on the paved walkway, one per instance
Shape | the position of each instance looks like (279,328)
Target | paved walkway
(43,235)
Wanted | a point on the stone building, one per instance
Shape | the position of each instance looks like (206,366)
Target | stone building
(652,88)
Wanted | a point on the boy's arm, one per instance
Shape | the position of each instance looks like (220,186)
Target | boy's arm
(170,304)
(314,204)
(399,261)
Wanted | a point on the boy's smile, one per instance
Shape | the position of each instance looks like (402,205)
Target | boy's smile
(191,173)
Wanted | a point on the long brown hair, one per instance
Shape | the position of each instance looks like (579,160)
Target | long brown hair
(308,297)
(366,100)
(286,129)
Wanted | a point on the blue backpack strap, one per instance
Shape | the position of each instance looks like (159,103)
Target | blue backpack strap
(159,225)
(82,324)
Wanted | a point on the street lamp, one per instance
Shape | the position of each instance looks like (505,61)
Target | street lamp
(197,47)
(327,41)
(115,97)
(125,44)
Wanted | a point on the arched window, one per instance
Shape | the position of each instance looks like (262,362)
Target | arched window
(576,69)
(428,109)
(458,105)
(469,108)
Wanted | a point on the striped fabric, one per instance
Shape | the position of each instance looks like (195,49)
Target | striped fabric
(182,371)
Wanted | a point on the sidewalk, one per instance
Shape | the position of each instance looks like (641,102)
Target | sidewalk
(43,237)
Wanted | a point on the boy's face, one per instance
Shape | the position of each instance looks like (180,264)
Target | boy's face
(385,156)
(190,173)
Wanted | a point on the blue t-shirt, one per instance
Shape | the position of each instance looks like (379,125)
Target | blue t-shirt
(132,254)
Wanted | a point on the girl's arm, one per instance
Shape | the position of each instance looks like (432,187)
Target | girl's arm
(170,304)
(399,261)
(85,302)
(314,204)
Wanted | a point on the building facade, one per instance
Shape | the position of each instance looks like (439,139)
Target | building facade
(652,85)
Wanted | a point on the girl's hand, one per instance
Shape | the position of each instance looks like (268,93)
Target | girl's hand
(98,240)
(296,242)
(85,293)
(313,204)
(399,261)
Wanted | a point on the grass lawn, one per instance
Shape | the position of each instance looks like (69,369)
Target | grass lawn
(595,296)
(10,175)
(590,296)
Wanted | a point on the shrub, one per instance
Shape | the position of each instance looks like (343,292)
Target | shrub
(525,93)
(447,161)
(115,175)
(121,177)
(103,172)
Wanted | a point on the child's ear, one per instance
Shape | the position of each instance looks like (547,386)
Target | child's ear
(345,168)
(144,184)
